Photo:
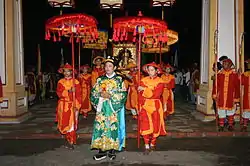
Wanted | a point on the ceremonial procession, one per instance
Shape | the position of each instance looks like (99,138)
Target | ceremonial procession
(118,82)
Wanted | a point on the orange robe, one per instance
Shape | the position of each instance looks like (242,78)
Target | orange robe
(168,95)
(66,114)
(132,97)
(245,81)
(151,112)
(85,81)
(228,89)
(97,72)
(1,91)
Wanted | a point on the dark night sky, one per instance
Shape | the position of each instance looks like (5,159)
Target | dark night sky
(184,17)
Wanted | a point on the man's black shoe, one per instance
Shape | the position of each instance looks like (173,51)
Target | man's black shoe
(112,155)
(100,156)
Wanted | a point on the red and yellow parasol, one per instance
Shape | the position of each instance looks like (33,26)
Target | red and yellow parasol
(71,25)
(141,27)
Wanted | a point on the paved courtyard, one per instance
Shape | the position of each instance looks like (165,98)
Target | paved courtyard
(190,142)
(171,152)
(41,125)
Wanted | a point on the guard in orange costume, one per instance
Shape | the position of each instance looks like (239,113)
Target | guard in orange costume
(151,116)
(67,110)
(85,81)
(98,69)
(227,95)
(168,95)
(132,98)
(245,82)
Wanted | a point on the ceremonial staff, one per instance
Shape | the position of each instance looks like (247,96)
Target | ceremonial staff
(240,68)
(216,71)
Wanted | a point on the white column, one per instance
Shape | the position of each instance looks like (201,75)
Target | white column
(2,43)
(205,42)
(227,29)
(18,35)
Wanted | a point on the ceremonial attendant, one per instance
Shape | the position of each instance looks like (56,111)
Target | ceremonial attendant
(227,95)
(151,117)
(32,87)
(245,81)
(42,86)
(132,98)
(108,96)
(168,95)
(67,109)
(85,81)
(98,69)
(194,83)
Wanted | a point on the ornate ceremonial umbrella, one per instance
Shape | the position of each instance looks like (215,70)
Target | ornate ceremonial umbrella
(71,25)
(141,27)
(159,48)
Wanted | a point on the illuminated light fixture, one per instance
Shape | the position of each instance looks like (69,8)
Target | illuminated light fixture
(162,2)
(111,4)
(61,3)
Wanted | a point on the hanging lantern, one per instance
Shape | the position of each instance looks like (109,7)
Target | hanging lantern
(61,3)
(162,2)
(111,4)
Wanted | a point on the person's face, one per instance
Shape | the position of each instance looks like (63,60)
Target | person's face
(168,70)
(109,68)
(133,69)
(98,62)
(67,73)
(85,70)
(226,65)
(151,71)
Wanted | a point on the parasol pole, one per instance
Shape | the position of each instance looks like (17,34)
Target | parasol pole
(111,18)
(79,58)
(160,52)
(73,74)
(240,68)
(139,80)
(162,11)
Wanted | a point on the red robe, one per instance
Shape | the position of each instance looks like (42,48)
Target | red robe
(151,114)
(132,98)
(85,81)
(97,72)
(245,81)
(228,89)
(66,115)
(168,96)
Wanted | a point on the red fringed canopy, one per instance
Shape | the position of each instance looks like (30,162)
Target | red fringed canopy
(150,26)
(72,25)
